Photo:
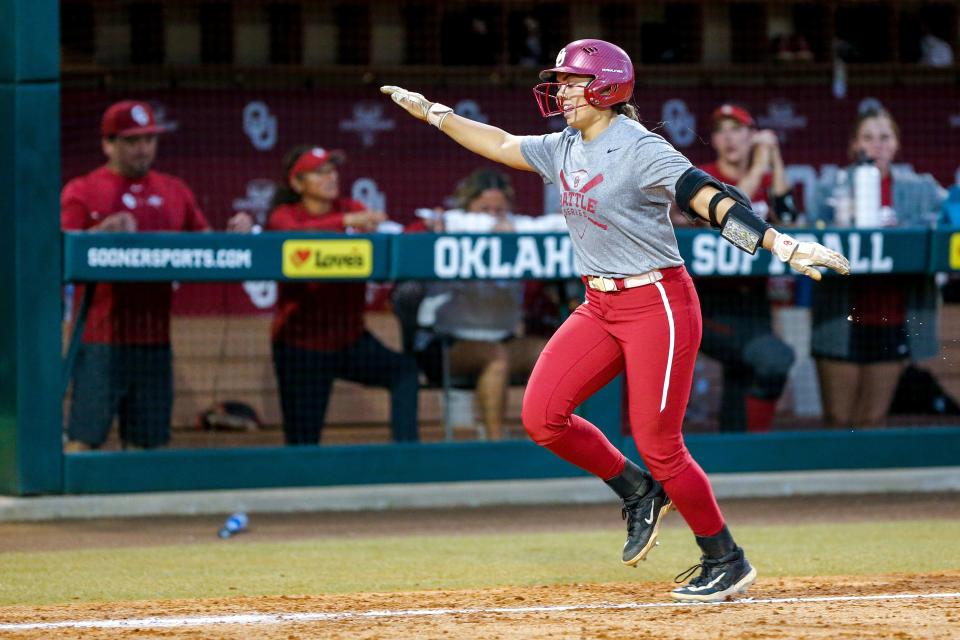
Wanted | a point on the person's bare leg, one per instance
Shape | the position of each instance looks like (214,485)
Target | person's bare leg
(839,382)
(522,354)
(878,383)
(489,361)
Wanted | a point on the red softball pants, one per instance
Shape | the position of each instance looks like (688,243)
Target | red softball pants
(651,333)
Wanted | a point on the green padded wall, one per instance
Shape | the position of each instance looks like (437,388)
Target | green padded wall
(30,253)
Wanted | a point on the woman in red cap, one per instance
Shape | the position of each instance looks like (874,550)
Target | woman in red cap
(641,316)
(318,331)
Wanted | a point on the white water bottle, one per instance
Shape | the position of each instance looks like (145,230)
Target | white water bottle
(866,194)
(842,200)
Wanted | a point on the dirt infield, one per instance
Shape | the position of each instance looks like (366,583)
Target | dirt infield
(875,606)
(608,611)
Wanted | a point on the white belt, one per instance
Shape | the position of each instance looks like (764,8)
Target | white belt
(599,283)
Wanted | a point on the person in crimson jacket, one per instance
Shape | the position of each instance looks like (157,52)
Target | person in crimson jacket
(865,332)
(318,332)
(737,320)
(124,365)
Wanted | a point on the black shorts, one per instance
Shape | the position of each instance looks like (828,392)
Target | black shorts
(871,344)
(133,382)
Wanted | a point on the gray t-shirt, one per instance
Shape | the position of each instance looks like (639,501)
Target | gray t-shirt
(615,193)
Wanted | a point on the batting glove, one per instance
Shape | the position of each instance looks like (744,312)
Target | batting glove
(804,256)
(418,106)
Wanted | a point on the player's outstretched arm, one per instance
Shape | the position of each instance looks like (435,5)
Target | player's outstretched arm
(490,142)
(729,210)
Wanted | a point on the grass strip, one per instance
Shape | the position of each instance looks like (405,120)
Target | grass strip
(248,566)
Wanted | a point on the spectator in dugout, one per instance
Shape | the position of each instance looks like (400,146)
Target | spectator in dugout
(124,364)
(318,329)
(482,321)
(737,322)
(866,329)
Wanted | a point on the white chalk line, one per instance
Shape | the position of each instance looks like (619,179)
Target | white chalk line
(281,618)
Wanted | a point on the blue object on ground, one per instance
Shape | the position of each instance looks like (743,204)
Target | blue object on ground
(236,523)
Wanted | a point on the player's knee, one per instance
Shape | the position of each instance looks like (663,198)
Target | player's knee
(533,418)
(542,422)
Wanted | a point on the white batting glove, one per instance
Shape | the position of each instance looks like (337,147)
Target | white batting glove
(418,106)
(804,256)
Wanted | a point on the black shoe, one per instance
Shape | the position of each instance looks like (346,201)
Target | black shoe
(643,514)
(719,579)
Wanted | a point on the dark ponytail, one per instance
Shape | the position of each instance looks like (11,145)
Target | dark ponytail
(284,193)
(627,109)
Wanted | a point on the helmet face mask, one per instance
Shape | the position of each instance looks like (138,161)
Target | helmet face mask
(552,103)
(608,65)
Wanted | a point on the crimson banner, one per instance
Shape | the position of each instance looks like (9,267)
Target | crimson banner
(228,145)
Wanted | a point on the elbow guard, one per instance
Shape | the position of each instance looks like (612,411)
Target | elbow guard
(689,183)
(728,191)
(741,227)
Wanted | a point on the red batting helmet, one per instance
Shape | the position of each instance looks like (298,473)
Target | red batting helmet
(609,65)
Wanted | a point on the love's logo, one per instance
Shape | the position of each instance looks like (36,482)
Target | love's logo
(299,257)
(348,258)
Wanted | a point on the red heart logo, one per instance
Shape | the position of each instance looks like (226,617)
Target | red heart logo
(299,257)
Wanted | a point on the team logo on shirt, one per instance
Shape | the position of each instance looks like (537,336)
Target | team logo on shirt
(327,258)
(576,205)
(131,202)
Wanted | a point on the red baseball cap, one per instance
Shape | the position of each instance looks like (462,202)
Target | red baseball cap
(314,158)
(129,118)
(733,112)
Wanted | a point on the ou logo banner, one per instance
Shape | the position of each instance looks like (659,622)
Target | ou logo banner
(471,110)
(262,293)
(366,191)
(260,125)
(680,124)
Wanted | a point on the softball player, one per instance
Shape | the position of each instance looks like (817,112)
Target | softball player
(641,315)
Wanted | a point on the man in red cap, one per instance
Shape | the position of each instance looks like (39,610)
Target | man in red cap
(737,323)
(750,160)
(124,365)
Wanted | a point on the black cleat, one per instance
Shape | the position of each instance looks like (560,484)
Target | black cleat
(643,514)
(719,579)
